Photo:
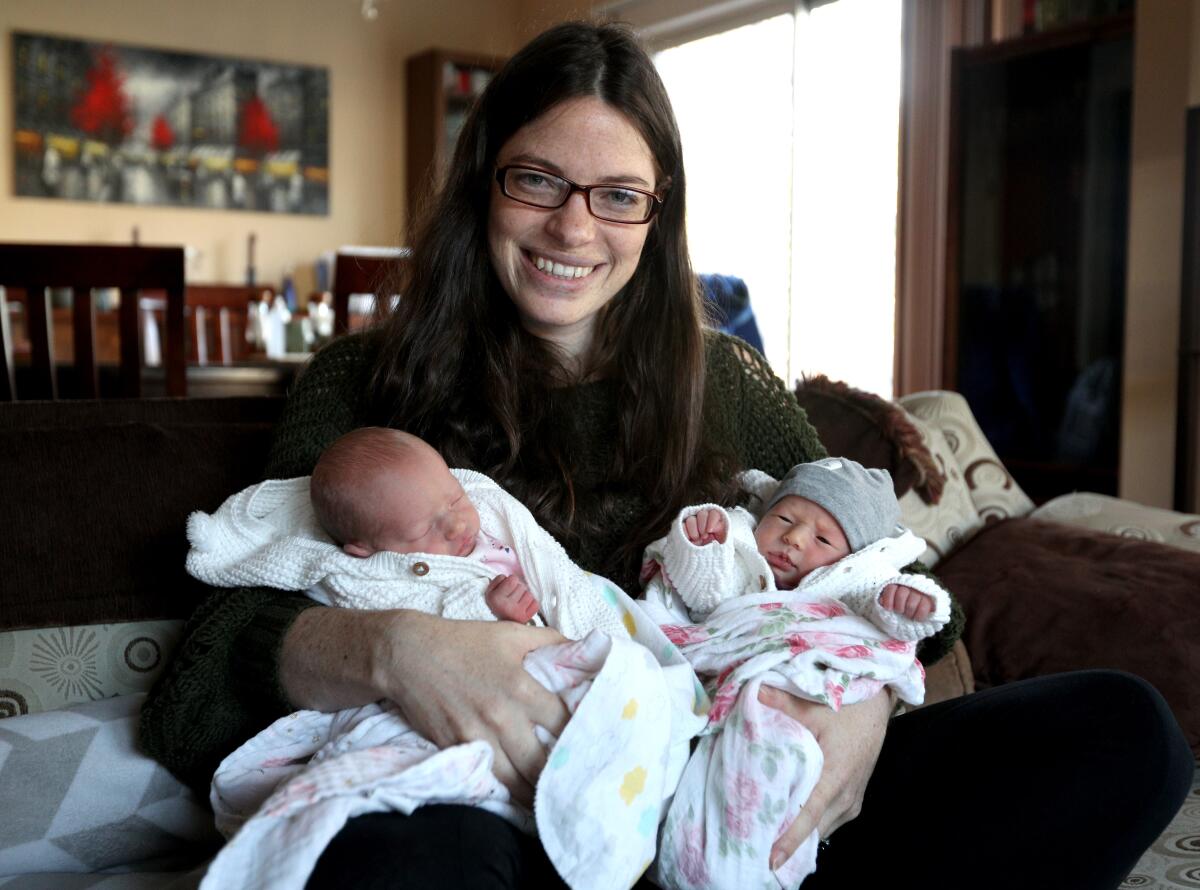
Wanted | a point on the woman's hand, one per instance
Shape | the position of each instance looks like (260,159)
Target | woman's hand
(850,739)
(459,681)
(455,681)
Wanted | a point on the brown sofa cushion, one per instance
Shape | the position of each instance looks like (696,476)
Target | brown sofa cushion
(1042,597)
(873,431)
(96,495)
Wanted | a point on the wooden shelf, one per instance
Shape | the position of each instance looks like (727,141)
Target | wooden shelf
(442,87)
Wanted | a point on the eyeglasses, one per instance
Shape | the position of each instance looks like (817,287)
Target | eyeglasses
(611,203)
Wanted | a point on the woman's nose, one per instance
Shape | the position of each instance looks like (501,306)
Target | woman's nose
(572,223)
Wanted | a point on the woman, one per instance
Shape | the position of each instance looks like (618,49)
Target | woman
(551,336)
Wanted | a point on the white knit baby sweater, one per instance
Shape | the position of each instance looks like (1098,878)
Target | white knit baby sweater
(268,535)
(702,577)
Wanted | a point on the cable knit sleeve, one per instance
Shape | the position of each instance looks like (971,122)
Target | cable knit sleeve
(222,684)
(702,575)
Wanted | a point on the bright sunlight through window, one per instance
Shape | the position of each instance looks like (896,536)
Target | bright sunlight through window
(795,190)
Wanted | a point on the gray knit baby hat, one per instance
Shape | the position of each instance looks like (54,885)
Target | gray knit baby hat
(862,500)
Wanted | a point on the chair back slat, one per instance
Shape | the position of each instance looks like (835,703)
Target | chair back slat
(176,342)
(82,267)
(225,334)
(8,383)
(40,325)
(129,322)
(87,371)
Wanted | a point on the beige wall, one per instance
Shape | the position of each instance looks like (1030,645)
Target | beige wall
(366,66)
(536,15)
(1162,71)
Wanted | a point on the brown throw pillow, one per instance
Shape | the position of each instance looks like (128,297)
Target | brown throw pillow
(873,431)
(1042,597)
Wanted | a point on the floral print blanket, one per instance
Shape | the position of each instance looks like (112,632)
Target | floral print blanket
(754,767)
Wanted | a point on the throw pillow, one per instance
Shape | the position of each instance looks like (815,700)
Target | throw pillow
(79,797)
(1126,518)
(953,520)
(995,494)
(1042,597)
(48,668)
(875,432)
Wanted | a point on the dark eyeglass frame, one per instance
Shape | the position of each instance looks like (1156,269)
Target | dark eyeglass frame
(656,200)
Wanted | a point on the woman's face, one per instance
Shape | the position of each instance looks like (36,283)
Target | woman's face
(589,142)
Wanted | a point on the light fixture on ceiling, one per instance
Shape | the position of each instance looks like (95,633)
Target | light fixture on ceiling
(370,10)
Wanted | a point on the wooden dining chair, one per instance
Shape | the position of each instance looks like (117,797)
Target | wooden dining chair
(217,315)
(360,270)
(34,268)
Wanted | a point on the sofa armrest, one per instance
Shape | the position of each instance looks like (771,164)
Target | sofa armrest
(950,677)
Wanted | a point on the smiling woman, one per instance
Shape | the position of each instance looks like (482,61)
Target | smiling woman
(561,266)
(565,356)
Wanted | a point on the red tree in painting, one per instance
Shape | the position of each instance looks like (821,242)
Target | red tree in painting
(258,132)
(162,136)
(103,110)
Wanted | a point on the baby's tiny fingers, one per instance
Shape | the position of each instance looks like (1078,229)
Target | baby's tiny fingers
(887,598)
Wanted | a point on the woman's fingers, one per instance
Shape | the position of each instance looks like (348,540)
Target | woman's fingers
(461,681)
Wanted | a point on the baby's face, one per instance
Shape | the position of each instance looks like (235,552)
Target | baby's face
(797,536)
(425,509)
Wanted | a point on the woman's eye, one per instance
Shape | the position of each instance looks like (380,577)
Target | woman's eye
(534,182)
(622,198)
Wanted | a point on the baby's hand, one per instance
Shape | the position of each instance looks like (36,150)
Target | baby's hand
(705,526)
(510,600)
(910,603)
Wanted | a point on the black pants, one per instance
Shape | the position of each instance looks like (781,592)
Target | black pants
(1057,782)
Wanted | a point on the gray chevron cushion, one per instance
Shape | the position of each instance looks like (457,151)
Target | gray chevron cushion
(79,797)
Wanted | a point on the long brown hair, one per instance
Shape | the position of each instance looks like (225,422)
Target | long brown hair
(455,365)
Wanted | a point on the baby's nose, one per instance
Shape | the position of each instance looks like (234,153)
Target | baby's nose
(455,526)
(798,537)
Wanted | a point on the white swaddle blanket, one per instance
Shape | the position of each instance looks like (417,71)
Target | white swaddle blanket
(634,699)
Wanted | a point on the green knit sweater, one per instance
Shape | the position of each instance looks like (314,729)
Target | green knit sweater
(223,684)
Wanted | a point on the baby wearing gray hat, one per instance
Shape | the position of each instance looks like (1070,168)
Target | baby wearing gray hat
(818,514)
(813,599)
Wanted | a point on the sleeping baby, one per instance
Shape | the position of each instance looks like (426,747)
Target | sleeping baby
(383,523)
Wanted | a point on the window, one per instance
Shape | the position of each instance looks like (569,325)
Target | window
(790,135)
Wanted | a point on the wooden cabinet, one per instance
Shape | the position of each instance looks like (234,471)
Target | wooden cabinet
(442,87)
(1036,249)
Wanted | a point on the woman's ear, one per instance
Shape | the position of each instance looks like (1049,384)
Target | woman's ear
(357,550)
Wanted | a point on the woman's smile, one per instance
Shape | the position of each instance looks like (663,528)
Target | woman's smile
(559,270)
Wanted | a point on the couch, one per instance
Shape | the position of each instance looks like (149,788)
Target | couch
(94,595)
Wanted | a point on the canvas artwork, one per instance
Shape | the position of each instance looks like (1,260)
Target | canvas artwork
(130,125)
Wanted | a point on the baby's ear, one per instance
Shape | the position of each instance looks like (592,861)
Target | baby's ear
(357,550)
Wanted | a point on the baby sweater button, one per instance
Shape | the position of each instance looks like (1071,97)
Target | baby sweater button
(420,569)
